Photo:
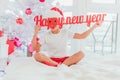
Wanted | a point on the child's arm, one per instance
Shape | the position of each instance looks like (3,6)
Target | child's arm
(35,44)
(85,34)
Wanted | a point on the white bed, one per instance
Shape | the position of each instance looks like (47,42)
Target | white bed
(92,67)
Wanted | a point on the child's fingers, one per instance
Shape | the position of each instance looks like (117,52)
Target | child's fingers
(99,23)
(37,27)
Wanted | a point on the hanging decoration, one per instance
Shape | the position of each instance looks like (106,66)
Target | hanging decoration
(19,21)
(28,11)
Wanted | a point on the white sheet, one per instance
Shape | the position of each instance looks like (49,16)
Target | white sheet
(90,68)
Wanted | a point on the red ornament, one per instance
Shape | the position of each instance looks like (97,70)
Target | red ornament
(19,21)
(1,33)
(17,42)
(11,46)
(28,11)
(42,0)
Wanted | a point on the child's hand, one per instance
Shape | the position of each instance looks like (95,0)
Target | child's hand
(37,28)
(98,24)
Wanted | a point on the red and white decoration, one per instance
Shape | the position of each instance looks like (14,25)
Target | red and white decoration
(28,11)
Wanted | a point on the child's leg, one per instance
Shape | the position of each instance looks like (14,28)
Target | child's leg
(43,58)
(74,58)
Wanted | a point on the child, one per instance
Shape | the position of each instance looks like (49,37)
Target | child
(56,42)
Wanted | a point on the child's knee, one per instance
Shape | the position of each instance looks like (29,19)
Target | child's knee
(38,57)
(81,54)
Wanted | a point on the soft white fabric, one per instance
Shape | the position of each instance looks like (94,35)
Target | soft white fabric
(90,68)
(56,43)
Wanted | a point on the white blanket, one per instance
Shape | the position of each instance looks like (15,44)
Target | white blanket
(90,68)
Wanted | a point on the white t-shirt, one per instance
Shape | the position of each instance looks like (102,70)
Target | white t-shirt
(56,43)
